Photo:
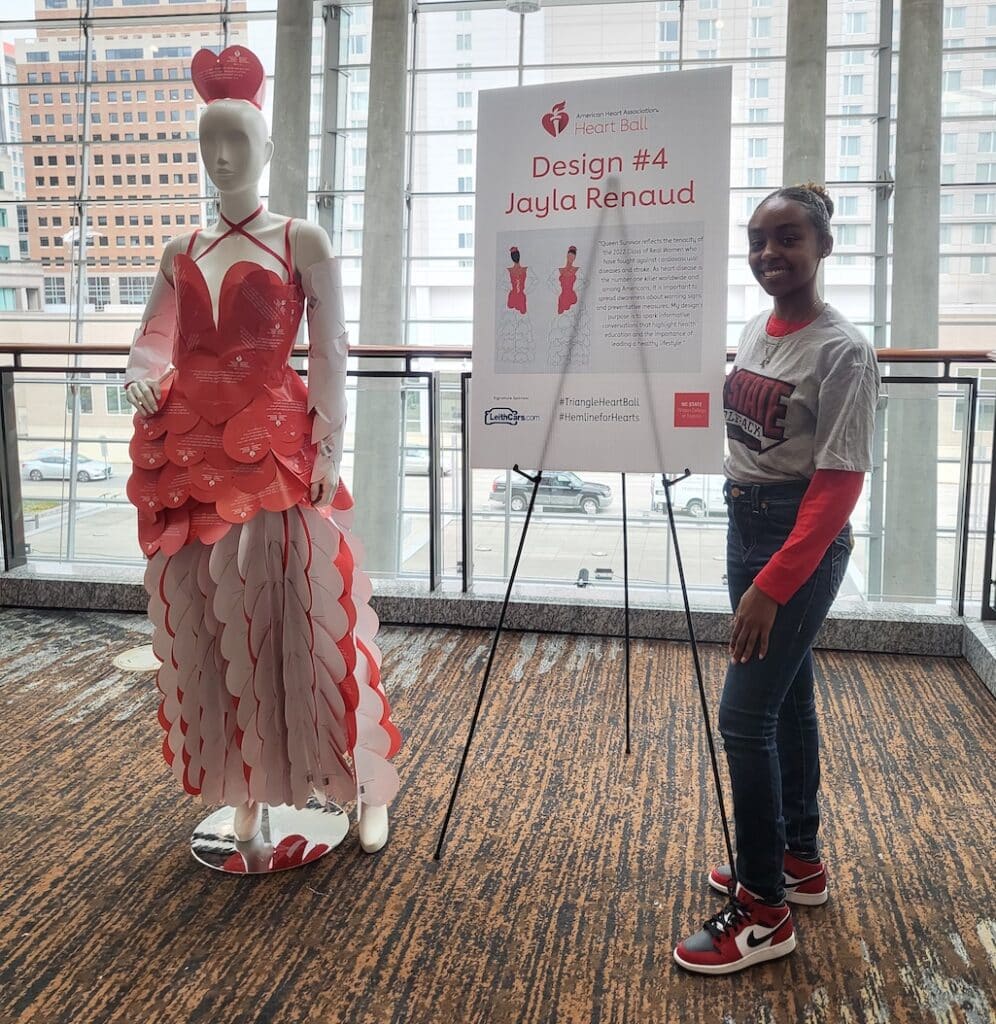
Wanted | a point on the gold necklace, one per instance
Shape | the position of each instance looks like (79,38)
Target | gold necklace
(771,344)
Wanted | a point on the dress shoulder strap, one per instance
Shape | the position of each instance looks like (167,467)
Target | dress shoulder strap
(288,254)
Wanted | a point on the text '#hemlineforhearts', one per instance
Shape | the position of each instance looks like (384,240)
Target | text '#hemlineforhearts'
(597,197)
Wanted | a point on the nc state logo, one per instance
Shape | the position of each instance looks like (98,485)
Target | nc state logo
(556,120)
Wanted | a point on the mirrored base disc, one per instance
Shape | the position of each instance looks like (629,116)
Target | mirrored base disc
(288,838)
(138,659)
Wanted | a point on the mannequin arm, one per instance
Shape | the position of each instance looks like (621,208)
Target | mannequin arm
(151,353)
(328,353)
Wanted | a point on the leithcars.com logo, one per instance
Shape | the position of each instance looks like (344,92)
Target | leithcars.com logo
(503,416)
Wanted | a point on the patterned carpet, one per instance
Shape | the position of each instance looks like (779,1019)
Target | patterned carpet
(570,868)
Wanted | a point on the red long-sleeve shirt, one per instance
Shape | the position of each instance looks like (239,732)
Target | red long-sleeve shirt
(825,508)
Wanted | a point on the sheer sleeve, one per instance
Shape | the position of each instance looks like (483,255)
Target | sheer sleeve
(328,354)
(152,348)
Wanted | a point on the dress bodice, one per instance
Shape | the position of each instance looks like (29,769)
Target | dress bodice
(233,433)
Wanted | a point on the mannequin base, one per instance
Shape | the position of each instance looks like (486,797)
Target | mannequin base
(138,659)
(287,838)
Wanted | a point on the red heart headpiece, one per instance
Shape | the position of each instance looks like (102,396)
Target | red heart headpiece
(233,74)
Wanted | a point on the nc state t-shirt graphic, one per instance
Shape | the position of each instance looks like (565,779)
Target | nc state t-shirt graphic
(556,120)
(755,408)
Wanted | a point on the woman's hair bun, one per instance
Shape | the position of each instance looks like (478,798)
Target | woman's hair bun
(821,191)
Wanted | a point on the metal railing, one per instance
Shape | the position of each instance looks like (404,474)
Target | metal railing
(25,362)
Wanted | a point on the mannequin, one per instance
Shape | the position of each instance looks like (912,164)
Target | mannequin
(270,677)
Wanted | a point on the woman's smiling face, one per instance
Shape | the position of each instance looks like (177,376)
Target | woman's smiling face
(785,247)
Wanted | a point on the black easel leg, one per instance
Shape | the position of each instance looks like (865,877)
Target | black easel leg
(491,657)
(668,484)
(626,609)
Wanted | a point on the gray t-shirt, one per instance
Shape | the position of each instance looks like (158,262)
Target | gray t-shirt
(804,402)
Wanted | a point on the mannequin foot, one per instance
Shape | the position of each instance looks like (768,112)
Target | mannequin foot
(248,819)
(373,828)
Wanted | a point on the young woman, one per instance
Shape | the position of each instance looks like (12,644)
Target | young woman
(800,412)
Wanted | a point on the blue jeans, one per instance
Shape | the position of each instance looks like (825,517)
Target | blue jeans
(767,716)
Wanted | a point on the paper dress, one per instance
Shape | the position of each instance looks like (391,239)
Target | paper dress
(270,676)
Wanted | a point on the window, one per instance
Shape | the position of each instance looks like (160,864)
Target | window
(849,173)
(98,291)
(978,265)
(949,143)
(987,142)
(86,396)
(947,205)
(465,184)
(952,81)
(707,30)
(850,145)
(465,212)
(668,32)
(847,234)
(463,41)
(8,299)
(946,234)
(3,217)
(757,114)
(853,57)
(135,291)
(989,78)
(853,85)
(37,56)
(855,22)
(757,176)
(465,99)
(982,234)
(985,172)
(947,174)
(760,28)
(465,240)
(133,53)
(463,15)
(4,253)
(117,404)
(465,156)
(757,149)
(55,291)
(759,88)
(954,17)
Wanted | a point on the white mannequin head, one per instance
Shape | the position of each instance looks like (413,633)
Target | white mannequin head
(235,145)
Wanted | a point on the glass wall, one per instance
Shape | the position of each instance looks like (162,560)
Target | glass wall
(99,168)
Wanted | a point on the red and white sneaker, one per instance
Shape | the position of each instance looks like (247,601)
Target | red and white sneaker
(805,881)
(745,932)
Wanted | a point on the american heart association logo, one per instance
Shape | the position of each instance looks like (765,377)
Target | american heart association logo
(556,120)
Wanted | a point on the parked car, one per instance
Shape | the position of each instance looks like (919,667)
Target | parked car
(699,496)
(54,464)
(417,462)
(558,489)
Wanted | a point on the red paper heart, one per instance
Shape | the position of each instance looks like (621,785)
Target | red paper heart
(233,74)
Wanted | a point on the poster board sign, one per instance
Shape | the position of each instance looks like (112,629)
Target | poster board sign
(602,239)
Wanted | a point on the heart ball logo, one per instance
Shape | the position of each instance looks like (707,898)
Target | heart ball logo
(556,120)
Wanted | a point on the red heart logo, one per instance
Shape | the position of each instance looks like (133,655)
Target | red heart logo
(557,119)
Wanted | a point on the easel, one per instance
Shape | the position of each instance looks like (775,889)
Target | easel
(668,484)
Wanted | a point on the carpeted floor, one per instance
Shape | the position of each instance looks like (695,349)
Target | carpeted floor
(570,870)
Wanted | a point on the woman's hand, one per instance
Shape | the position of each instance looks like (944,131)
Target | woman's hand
(323,491)
(144,395)
(752,622)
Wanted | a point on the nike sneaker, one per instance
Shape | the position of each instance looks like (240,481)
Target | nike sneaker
(805,881)
(745,932)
